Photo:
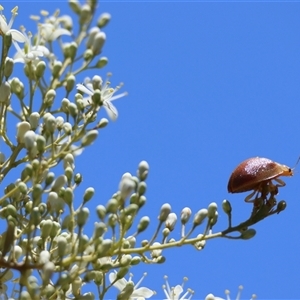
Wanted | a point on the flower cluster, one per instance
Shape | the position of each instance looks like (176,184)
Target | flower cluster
(57,115)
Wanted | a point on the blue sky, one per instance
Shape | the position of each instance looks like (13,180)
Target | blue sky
(210,84)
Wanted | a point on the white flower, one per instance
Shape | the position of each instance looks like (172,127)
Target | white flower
(106,97)
(138,293)
(174,293)
(51,29)
(6,28)
(33,52)
(227,293)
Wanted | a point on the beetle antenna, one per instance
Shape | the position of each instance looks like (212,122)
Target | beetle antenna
(297,163)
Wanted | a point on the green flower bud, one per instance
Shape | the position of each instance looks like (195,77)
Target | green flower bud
(40,69)
(75,6)
(67,128)
(88,55)
(40,144)
(102,62)
(78,178)
(200,216)
(99,41)
(248,234)
(82,216)
(8,67)
(68,196)
(125,260)
(59,183)
(171,221)
(101,212)
(142,201)
(165,210)
(85,14)
(48,269)
(22,128)
(34,120)
(212,208)
(30,140)
(44,257)
(69,174)
(35,216)
(61,246)
(89,138)
(55,229)
(65,105)
(57,66)
(103,20)
(49,98)
(46,227)
(135,260)
(23,188)
(88,194)
(143,224)
(104,247)
(281,206)
(28,207)
(122,272)
(73,110)
(55,203)
(185,215)
(50,124)
(17,87)
(70,82)
(112,206)
(143,170)
(99,229)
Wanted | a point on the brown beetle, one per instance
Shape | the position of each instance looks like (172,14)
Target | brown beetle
(257,174)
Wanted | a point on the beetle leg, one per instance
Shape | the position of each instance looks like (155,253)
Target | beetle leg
(280,182)
(248,198)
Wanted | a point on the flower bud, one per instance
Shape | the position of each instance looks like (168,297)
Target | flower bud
(102,62)
(30,140)
(8,67)
(143,224)
(212,208)
(88,194)
(85,14)
(99,41)
(143,170)
(142,186)
(22,128)
(34,120)
(57,66)
(200,216)
(40,69)
(70,82)
(46,227)
(165,210)
(101,212)
(59,183)
(99,229)
(185,215)
(5,93)
(248,234)
(82,216)
(49,97)
(171,221)
(73,110)
(226,206)
(103,20)
(89,138)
